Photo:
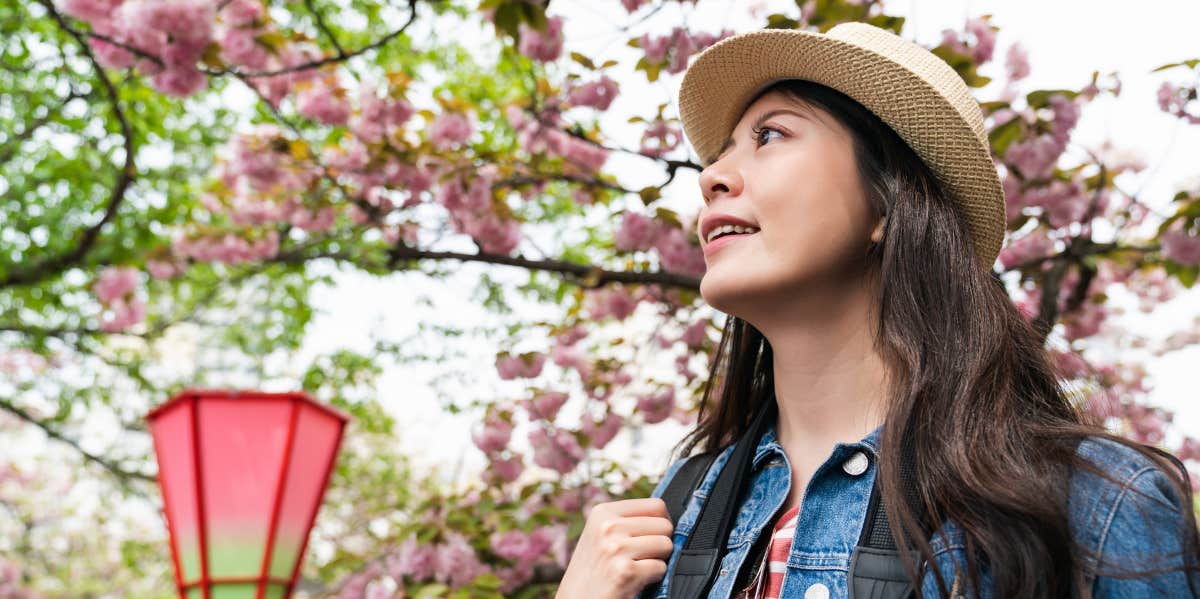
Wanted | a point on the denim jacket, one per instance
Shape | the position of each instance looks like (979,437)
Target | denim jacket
(1114,523)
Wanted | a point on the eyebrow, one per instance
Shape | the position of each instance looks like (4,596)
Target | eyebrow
(729,143)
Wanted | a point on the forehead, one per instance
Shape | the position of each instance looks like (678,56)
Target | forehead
(777,99)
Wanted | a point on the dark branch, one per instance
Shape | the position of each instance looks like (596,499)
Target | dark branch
(340,56)
(582,274)
(323,27)
(119,472)
(47,268)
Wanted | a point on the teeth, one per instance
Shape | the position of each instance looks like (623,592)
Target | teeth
(721,230)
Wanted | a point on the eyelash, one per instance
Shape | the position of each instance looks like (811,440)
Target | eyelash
(758,131)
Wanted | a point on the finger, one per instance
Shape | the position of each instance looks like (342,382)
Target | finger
(635,526)
(648,506)
(649,546)
(649,570)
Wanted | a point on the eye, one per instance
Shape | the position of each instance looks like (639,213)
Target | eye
(759,131)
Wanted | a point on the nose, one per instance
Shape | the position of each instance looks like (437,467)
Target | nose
(720,178)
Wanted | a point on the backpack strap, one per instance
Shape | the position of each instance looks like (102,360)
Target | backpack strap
(705,546)
(679,490)
(876,566)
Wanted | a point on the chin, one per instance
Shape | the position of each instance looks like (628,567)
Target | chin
(728,296)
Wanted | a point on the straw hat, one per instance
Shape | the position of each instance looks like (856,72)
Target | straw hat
(916,93)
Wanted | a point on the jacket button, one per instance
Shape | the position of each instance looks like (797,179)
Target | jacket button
(817,591)
(856,464)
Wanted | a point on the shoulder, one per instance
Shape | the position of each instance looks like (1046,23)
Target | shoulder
(1124,508)
(710,472)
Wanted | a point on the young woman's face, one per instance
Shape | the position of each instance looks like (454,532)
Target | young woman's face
(788,170)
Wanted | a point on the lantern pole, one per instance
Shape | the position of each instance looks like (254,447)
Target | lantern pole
(316,506)
(203,518)
(284,468)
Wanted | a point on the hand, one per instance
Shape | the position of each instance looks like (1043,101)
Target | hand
(624,546)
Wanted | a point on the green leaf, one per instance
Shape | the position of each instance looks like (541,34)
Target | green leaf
(781,21)
(583,60)
(650,194)
(1004,135)
(1041,98)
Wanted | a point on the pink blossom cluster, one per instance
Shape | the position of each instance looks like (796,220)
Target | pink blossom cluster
(1181,246)
(506,469)
(274,88)
(12,583)
(674,48)
(1016,62)
(659,138)
(165,269)
(115,287)
(176,32)
(631,6)
(983,44)
(449,130)
(1035,158)
(600,432)
(695,334)
(611,300)
(572,335)
(229,248)
(496,432)
(637,232)
(597,94)
(240,31)
(546,135)
(472,212)
(524,549)
(581,499)
(266,182)
(571,357)
(526,365)
(656,406)
(378,118)
(676,251)
(453,561)
(555,448)
(545,405)
(322,99)
(1033,245)
(542,46)
(1173,100)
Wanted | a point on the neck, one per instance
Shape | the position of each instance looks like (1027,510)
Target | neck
(830,381)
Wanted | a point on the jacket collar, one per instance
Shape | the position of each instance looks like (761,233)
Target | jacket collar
(769,444)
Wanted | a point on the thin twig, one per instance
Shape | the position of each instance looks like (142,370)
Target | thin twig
(49,267)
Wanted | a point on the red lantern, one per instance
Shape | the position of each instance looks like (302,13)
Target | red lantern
(242,474)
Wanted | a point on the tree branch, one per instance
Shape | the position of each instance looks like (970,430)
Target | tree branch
(119,472)
(325,28)
(340,56)
(49,267)
(581,274)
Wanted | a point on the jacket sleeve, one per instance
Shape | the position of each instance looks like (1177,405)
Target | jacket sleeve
(1144,530)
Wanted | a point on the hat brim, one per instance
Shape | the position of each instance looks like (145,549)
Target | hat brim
(722,80)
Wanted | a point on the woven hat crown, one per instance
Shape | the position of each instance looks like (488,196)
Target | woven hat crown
(913,91)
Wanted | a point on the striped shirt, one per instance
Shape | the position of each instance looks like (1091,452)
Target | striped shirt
(768,583)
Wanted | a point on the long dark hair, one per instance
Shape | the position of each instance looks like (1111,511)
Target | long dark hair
(974,407)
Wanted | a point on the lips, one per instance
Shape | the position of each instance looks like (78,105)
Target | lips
(723,241)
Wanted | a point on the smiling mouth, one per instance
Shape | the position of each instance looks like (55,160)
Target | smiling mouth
(727,238)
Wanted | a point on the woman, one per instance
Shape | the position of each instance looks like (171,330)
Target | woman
(866,326)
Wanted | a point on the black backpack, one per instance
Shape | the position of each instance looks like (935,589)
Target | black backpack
(876,570)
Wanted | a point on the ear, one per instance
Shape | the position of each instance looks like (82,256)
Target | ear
(877,233)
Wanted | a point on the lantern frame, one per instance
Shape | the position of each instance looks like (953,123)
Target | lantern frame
(192,396)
